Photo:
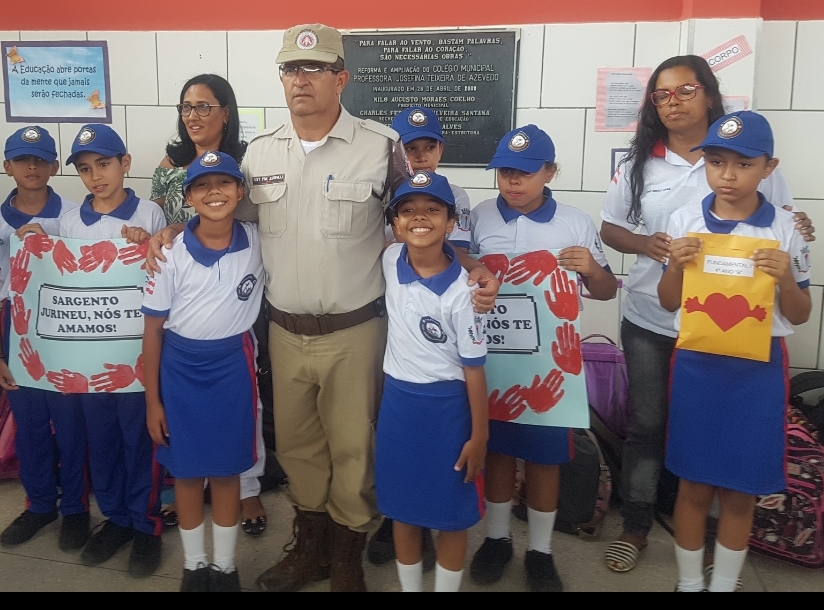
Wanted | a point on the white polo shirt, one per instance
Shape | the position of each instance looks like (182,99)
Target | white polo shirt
(433,330)
(670,181)
(205,293)
(768,222)
(85,223)
(12,219)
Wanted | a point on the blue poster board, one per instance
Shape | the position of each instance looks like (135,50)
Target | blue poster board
(50,82)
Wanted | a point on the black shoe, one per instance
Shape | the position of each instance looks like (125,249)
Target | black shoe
(428,553)
(490,561)
(223,582)
(195,581)
(105,542)
(145,556)
(540,573)
(381,547)
(74,532)
(25,526)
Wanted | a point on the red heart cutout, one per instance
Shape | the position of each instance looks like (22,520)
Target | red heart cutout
(725,311)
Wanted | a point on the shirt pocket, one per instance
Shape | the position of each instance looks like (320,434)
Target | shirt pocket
(272,212)
(345,211)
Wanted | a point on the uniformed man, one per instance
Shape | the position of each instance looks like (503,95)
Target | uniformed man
(318,186)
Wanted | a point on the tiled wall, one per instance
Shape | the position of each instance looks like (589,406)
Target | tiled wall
(556,90)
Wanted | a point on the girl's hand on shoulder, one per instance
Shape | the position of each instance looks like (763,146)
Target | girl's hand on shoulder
(156,423)
(135,235)
(803,223)
(683,250)
(472,457)
(578,259)
(33,227)
(775,263)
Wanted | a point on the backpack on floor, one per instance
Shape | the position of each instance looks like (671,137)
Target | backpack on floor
(8,457)
(788,525)
(607,385)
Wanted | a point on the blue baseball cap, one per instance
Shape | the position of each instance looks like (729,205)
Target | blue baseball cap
(97,138)
(31,140)
(417,122)
(745,132)
(212,162)
(524,148)
(425,183)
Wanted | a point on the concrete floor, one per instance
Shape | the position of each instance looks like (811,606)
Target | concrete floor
(40,566)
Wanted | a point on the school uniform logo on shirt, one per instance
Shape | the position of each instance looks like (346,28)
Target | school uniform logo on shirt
(307,40)
(31,135)
(519,142)
(730,128)
(85,136)
(477,332)
(802,263)
(417,119)
(432,330)
(246,286)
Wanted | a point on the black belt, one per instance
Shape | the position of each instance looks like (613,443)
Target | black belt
(311,325)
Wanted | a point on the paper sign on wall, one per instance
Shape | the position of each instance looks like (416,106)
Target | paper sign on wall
(728,53)
(251,122)
(618,98)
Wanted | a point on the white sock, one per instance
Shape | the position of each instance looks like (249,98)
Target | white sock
(447,581)
(194,550)
(497,519)
(540,530)
(410,577)
(690,569)
(224,540)
(726,569)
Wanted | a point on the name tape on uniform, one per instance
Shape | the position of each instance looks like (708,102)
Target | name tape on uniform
(728,265)
(728,53)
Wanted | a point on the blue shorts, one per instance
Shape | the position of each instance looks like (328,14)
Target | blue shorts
(422,429)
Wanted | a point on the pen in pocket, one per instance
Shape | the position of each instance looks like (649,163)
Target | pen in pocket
(328,180)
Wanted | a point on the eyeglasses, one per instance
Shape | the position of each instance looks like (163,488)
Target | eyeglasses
(312,71)
(201,109)
(660,97)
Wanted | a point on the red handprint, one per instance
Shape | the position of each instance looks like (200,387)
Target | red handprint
(536,265)
(566,351)
(68,382)
(135,253)
(19,271)
(38,243)
(63,258)
(91,257)
(509,405)
(543,395)
(117,377)
(31,360)
(563,301)
(138,370)
(497,264)
(20,316)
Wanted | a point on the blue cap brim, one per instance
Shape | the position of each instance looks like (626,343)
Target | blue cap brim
(530,166)
(23,151)
(188,181)
(752,153)
(106,152)
(405,196)
(406,138)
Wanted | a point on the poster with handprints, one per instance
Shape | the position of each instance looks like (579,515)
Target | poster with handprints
(76,325)
(534,368)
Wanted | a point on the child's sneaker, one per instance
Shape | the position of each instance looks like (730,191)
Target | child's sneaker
(25,526)
(223,582)
(105,543)
(541,574)
(145,556)
(74,532)
(490,561)
(195,581)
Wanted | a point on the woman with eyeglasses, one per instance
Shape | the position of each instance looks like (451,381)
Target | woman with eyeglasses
(207,120)
(659,174)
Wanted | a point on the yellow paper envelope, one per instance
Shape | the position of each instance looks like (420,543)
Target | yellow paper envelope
(726,303)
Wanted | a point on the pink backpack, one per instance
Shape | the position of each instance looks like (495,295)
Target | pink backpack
(606,374)
(8,458)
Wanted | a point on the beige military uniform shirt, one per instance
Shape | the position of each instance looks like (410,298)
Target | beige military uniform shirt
(321,215)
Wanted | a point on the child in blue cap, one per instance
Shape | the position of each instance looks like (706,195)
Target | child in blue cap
(199,365)
(125,476)
(526,219)
(726,419)
(31,159)
(433,427)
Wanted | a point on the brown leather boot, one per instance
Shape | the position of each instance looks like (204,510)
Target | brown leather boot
(347,562)
(307,555)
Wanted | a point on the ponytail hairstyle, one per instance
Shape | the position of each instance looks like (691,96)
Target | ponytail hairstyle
(651,130)
(182,151)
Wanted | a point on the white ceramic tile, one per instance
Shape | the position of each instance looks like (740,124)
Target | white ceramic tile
(566,128)
(572,55)
(797,142)
(53,35)
(591,203)
(468,177)
(149,129)
(655,42)
(252,69)
(774,65)
(602,317)
(70,187)
(808,86)
(275,117)
(6,129)
(182,55)
(737,78)
(141,186)
(476,196)
(4,37)
(803,344)
(132,65)
(69,131)
(598,154)
(530,65)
